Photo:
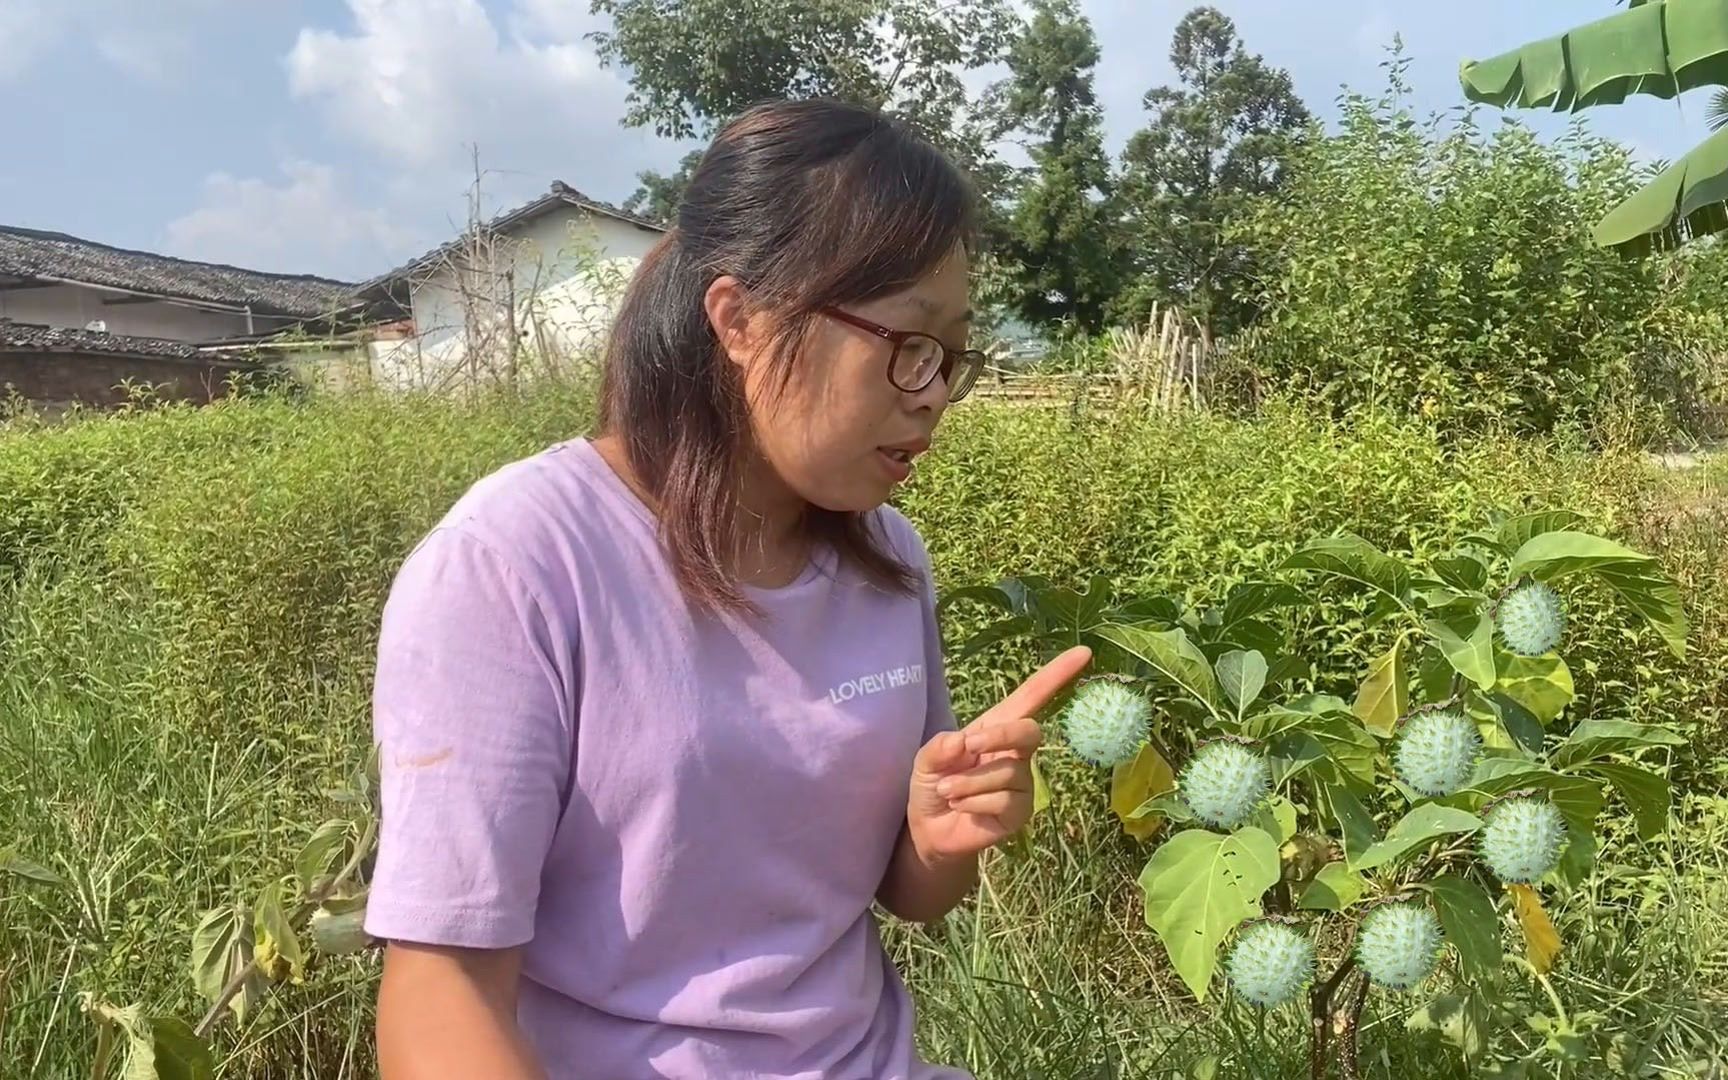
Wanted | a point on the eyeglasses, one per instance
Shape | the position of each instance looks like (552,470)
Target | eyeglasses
(918,358)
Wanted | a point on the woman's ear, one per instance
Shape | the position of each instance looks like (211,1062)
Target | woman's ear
(737,327)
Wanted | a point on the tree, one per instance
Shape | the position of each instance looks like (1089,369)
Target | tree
(658,196)
(1059,235)
(1655,47)
(1214,144)
(696,63)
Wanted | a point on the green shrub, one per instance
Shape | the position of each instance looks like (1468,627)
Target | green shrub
(188,600)
(1449,273)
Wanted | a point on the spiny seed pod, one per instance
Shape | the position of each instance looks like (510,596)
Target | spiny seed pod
(1523,838)
(1531,619)
(1271,963)
(1224,782)
(1398,945)
(1437,752)
(1106,722)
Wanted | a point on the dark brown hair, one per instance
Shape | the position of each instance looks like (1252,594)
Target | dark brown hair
(808,204)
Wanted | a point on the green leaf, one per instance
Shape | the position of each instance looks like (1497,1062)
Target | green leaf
(1541,684)
(18,866)
(1685,199)
(1349,556)
(1517,531)
(321,856)
(278,953)
(1171,654)
(1520,724)
(222,949)
(1593,739)
(157,1047)
(1276,817)
(1334,888)
(1339,738)
(1169,805)
(1385,693)
(1467,915)
(1648,795)
(1578,799)
(1634,576)
(1462,571)
(338,933)
(1466,637)
(1149,609)
(176,1053)
(999,631)
(1291,752)
(1355,823)
(1199,886)
(1434,674)
(1421,826)
(1252,598)
(1242,675)
(1461,1019)
(1011,595)
(1653,49)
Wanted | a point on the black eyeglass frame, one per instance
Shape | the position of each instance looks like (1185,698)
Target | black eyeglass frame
(969,362)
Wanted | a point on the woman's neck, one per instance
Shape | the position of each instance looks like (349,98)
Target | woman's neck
(771,544)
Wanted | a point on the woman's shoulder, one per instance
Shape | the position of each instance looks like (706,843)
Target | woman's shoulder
(532,513)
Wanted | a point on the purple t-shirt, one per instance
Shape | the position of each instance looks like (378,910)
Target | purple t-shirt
(683,818)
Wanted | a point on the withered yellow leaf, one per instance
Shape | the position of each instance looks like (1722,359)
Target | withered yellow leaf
(1541,941)
(1131,785)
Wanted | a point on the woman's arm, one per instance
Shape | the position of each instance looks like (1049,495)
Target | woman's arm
(924,889)
(451,1013)
(971,789)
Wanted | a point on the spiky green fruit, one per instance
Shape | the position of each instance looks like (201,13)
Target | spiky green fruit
(1223,783)
(1531,620)
(1436,752)
(1271,963)
(1106,722)
(1398,945)
(1523,838)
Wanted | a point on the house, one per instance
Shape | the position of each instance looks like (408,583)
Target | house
(79,318)
(537,285)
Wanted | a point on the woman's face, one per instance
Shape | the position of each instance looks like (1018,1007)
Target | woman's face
(842,436)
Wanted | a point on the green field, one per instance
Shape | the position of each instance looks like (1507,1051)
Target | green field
(188,602)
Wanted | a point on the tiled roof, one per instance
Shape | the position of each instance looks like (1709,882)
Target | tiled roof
(35,255)
(561,194)
(25,337)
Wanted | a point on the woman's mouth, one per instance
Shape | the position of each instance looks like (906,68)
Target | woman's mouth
(897,461)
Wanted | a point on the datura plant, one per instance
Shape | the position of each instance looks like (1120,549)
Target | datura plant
(1315,848)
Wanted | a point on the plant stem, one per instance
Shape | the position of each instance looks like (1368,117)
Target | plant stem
(1348,1066)
(297,921)
(1320,1016)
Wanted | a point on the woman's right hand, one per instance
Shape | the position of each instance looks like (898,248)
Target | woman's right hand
(447,1013)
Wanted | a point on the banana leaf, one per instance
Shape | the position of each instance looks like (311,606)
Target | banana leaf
(1689,198)
(1660,48)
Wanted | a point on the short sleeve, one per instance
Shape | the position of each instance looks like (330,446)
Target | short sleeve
(471,715)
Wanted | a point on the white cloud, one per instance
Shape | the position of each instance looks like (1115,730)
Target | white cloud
(419,83)
(26,28)
(152,41)
(305,224)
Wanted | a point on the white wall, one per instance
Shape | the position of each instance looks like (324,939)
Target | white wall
(561,273)
(75,306)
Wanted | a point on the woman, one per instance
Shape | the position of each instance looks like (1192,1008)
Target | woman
(662,713)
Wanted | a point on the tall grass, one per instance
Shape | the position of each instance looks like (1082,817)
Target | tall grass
(188,601)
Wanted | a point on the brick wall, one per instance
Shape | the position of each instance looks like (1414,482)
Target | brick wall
(95,378)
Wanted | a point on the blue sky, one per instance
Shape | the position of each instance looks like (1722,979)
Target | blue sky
(335,136)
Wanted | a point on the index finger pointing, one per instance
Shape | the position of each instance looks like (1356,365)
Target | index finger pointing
(1044,684)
